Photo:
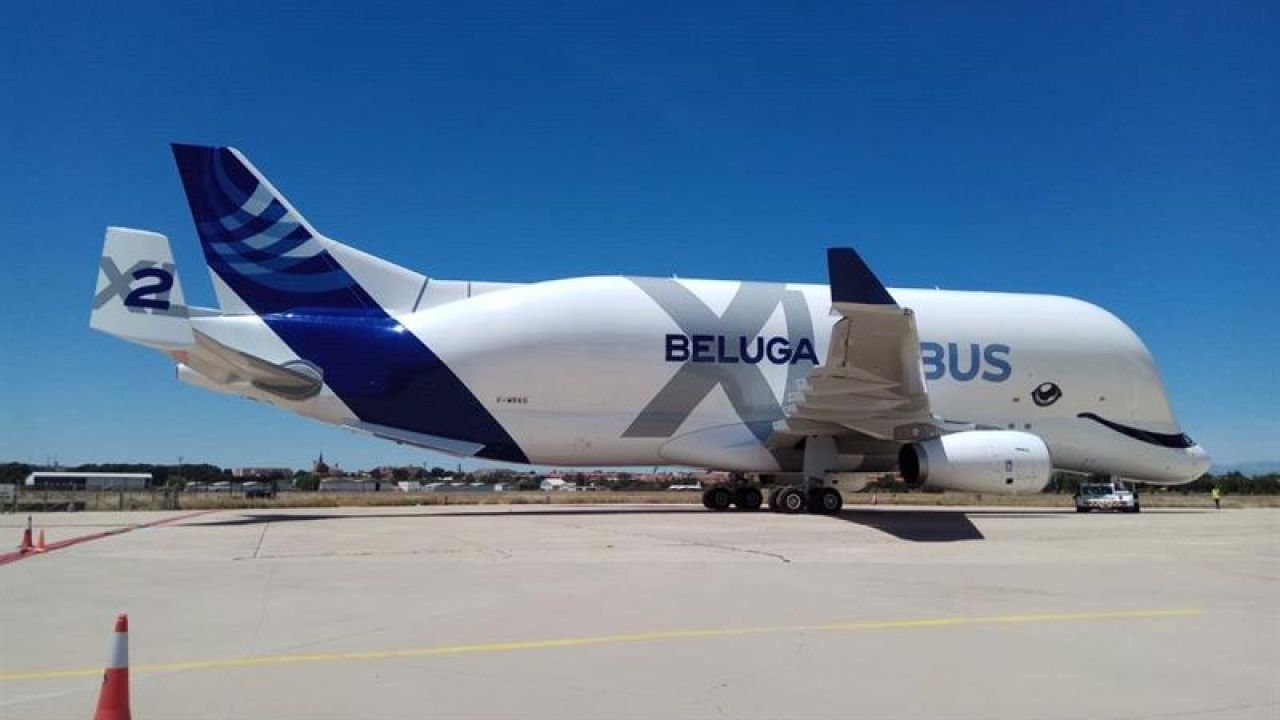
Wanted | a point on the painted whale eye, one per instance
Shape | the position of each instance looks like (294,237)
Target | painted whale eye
(1046,394)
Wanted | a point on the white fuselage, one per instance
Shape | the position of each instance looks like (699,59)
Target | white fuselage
(571,369)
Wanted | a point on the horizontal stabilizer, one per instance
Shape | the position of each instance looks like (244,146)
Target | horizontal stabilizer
(296,380)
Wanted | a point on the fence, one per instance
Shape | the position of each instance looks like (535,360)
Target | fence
(27,499)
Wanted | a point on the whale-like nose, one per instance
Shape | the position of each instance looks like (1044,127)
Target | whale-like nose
(1200,460)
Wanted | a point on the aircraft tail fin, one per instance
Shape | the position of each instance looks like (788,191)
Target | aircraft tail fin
(138,295)
(266,258)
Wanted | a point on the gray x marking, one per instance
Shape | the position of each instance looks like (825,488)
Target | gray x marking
(120,284)
(745,384)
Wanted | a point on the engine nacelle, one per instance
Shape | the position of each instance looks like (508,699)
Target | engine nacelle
(984,461)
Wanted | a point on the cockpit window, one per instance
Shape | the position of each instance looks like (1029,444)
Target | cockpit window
(1179,441)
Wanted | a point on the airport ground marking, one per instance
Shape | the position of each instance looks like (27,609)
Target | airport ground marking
(555,643)
(12,557)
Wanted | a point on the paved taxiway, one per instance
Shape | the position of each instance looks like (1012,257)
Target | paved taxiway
(671,612)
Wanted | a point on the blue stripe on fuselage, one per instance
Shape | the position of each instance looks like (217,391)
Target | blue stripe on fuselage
(387,376)
(384,373)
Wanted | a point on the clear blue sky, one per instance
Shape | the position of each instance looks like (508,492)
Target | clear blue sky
(1125,153)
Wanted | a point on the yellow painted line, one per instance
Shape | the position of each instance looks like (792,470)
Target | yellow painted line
(260,660)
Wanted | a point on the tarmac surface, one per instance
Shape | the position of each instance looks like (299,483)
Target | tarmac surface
(650,612)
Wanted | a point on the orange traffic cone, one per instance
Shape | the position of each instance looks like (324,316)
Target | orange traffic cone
(26,538)
(113,699)
(40,546)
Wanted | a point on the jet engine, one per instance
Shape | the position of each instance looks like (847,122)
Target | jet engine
(984,461)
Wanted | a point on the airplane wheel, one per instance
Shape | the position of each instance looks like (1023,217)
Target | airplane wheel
(825,500)
(717,498)
(791,500)
(773,499)
(748,498)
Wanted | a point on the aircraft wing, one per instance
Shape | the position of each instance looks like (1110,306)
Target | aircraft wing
(872,383)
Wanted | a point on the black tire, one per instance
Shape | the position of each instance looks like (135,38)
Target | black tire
(748,498)
(1136,508)
(791,500)
(717,498)
(1082,509)
(773,499)
(825,501)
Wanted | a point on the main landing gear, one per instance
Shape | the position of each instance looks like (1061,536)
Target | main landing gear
(743,497)
(812,494)
(794,499)
(786,499)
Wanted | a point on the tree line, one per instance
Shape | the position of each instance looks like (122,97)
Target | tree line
(161,475)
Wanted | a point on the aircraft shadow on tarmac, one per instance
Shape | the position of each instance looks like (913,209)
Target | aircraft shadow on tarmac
(525,510)
(936,525)
(931,525)
(917,525)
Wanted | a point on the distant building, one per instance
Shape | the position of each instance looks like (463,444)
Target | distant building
(398,472)
(464,487)
(352,484)
(87,480)
(261,472)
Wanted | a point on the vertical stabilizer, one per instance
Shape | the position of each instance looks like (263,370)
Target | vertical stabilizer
(264,255)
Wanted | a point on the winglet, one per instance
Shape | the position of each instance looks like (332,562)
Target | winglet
(853,282)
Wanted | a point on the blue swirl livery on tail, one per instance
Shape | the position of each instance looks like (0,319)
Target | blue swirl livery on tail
(323,300)
(256,242)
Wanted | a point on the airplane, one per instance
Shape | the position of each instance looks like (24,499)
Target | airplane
(800,388)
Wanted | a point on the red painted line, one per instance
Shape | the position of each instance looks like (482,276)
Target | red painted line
(17,555)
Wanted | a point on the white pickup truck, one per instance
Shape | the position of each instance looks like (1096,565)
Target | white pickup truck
(1106,496)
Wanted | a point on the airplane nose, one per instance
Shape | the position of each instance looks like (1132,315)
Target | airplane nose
(1200,460)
